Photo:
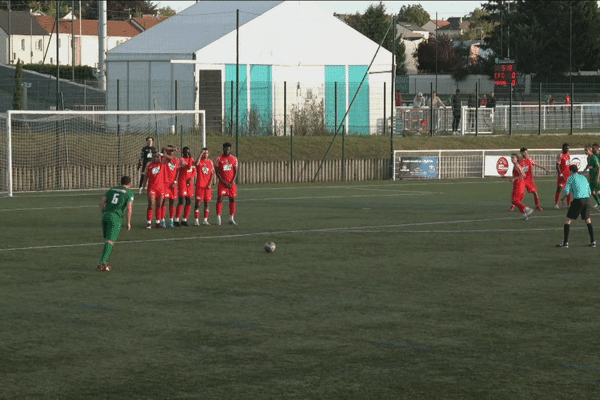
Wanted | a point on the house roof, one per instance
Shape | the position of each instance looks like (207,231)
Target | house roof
(148,21)
(412,36)
(21,23)
(411,27)
(440,22)
(89,27)
(194,28)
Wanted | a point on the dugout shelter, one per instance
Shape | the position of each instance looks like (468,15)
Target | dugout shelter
(291,54)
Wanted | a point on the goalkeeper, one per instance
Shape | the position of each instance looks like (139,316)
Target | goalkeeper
(145,158)
(112,207)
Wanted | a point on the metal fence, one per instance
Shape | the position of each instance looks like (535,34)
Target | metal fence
(503,119)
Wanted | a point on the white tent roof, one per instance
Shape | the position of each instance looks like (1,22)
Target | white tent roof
(193,28)
(296,33)
(271,33)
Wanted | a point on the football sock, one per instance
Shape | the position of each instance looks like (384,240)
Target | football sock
(537,200)
(163,212)
(231,209)
(591,232)
(219,208)
(197,213)
(172,211)
(178,211)
(149,214)
(186,211)
(520,206)
(556,197)
(566,229)
(106,253)
(206,212)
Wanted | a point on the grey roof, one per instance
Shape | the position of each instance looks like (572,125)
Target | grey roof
(195,27)
(21,23)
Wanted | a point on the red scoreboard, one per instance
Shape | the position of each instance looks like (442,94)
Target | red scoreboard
(505,73)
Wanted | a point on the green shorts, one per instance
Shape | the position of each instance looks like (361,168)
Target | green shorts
(594,187)
(111,226)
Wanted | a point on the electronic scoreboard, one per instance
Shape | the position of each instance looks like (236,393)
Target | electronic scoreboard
(505,73)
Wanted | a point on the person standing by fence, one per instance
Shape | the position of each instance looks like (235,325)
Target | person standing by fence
(436,103)
(456,111)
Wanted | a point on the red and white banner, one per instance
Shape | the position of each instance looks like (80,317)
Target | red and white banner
(503,166)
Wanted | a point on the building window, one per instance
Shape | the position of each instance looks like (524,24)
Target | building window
(22,44)
(38,44)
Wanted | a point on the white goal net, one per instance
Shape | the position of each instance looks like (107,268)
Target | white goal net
(76,150)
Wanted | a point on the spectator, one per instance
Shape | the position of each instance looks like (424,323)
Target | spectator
(436,103)
(419,101)
(456,111)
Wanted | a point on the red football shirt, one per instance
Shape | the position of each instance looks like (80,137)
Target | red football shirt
(205,169)
(527,165)
(155,174)
(564,161)
(171,170)
(186,170)
(226,166)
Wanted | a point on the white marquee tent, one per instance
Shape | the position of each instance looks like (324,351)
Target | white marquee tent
(189,62)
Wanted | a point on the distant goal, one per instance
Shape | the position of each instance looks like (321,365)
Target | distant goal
(79,150)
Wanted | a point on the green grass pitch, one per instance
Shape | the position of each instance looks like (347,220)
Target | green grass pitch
(377,290)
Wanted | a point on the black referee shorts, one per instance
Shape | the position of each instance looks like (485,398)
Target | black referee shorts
(579,207)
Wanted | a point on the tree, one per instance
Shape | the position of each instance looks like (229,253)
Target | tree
(120,9)
(17,103)
(541,37)
(166,11)
(374,24)
(448,59)
(480,25)
(414,14)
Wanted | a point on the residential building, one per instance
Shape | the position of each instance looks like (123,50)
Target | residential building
(26,39)
(32,37)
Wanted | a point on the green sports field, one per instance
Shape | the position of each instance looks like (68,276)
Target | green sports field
(377,290)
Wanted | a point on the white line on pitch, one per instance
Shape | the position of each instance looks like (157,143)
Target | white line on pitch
(341,229)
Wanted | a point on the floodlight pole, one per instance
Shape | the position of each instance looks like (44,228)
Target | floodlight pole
(237,79)
(393,98)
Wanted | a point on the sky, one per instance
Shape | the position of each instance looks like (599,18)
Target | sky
(444,9)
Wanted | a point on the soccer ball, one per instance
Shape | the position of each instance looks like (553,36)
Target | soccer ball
(270,247)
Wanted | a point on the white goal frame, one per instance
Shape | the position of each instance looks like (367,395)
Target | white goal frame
(12,115)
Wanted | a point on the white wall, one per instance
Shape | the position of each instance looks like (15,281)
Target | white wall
(447,85)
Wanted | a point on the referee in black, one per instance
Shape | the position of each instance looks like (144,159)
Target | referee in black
(580,206)
(145,157)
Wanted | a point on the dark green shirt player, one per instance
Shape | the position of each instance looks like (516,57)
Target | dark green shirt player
(113,206)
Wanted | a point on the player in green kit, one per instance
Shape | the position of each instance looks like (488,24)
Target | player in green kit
(593,161)
(112,207)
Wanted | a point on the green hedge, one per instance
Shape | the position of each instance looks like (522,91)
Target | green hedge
(82,72)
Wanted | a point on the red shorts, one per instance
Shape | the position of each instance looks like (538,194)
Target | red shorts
(170,192)
(203,194)
(530,186)
(518,191)
(562,182)
(186,190)
(224,191)
(157,193)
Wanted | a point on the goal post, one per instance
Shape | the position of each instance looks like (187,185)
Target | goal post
(79,150)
